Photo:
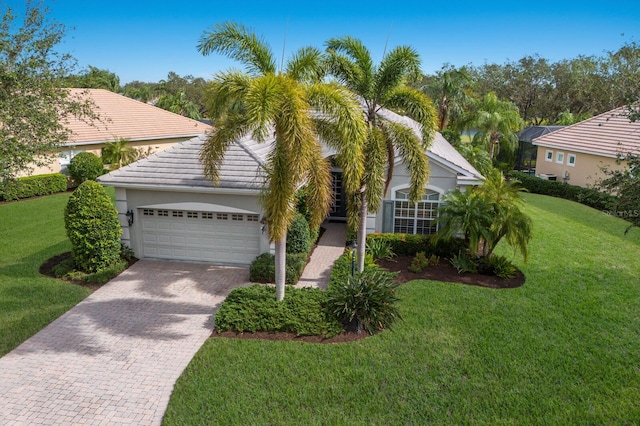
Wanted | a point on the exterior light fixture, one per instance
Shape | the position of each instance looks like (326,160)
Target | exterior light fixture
(129,215)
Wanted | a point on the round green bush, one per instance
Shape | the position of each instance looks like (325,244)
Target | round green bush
(92,225)
(298,236)
(85,166)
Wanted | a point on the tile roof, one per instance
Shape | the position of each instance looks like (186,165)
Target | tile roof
(606,135)
(126,118)
(243,164)
(179,167)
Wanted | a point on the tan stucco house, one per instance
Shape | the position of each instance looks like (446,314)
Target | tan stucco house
(148,128)
(576,154)
(169,210)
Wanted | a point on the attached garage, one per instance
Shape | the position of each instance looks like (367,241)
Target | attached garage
(168,210)
(184,233)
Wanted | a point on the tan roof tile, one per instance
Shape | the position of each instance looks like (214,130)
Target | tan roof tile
(125,118)
(607,135)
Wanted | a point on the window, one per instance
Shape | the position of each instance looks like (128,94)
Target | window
(252,218)
(221,216)
(65,159)
(207,215)
(192,215)
(415,218)
(176,213)
(571,160)
(147,212)
(548,155)
(237,217)
(163,213)
(560,157)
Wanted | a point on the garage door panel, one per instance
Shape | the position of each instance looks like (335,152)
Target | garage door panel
(200,236)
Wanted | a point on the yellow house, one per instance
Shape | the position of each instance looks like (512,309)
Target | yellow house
(148,128)
(577,153)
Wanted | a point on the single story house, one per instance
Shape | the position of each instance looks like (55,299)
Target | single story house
(148,128)
(169,210)
(576,154)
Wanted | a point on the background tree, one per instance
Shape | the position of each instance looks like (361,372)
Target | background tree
(118,153)
(179,104)
(95,78)
(295,107)
(32,102)
(450,91)
(384,86)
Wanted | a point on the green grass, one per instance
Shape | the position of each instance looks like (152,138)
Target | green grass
(562,349)
(32,231)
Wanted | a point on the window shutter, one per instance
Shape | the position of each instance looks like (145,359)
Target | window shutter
(387,216)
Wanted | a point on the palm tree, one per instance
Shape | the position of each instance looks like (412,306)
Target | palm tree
(496,123)
(119,153)
(296,108)
(383,87)
(179,104)
(449,90)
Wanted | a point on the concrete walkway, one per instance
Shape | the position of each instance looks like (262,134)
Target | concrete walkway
(330,247)
(115,357)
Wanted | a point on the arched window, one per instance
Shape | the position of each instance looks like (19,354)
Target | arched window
(415,218)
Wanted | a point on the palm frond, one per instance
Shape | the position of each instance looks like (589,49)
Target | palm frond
(227,131)
(351,62)
(419,107)
(397,66)
(411,150)
(306,65)
(376,161)
(235,41)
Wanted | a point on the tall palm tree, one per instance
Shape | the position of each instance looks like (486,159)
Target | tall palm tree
(496,123)
(449,90)
(296,108)
(381,87)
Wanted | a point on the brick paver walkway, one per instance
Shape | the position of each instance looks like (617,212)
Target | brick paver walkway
(114,358)
(330,247)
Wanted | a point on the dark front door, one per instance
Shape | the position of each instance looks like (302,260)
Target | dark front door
(339,206)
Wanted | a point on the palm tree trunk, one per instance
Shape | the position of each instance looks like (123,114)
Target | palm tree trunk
(281,265)
(362,231)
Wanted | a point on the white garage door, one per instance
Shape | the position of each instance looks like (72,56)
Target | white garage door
(201,236)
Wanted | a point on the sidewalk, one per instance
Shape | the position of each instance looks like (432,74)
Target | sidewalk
(330,247)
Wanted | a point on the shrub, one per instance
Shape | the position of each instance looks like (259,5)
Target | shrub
(419,263)
(101,276)
(263,268)
(380,249)
(33,186)
(464,263)
(366,301)
(342,267)
(499,266)
(410,244)
(254,308)
(92,225)
(298,236)
(587,196)
(85,166)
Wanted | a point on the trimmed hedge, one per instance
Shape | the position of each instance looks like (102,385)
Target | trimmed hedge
(32,186)
(430,245)
(254,308)
(92,225)
(298,236)
(263,269)
(85,166)
(587,196)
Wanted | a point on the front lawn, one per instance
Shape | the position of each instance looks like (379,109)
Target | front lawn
(32,231)
(562,349)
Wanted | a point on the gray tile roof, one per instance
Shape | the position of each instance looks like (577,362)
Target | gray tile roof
(180,167)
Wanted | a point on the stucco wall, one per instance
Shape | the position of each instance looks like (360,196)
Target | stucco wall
(585,172)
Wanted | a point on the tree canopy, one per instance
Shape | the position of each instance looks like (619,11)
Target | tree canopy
(32,101)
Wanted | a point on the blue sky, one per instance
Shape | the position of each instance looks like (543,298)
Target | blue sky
(144,40)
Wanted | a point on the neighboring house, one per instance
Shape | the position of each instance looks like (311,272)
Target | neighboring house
(178,214)
(527,152)
(576,154)
(148,128)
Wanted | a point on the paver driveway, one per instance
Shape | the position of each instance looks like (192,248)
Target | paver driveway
(115,357)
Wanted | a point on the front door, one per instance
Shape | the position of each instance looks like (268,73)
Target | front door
(339,205)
